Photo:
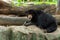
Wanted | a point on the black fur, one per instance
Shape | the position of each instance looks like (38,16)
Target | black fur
(43,20)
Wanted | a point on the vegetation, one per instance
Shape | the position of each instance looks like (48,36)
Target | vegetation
(36,2)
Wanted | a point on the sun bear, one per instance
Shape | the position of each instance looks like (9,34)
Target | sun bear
(42,20)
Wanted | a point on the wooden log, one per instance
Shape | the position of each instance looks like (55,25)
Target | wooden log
(8,20)
(32,33)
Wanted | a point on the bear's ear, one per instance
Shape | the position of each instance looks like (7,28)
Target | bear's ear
(30,11)
(40,12)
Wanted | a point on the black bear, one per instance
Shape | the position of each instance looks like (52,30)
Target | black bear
(42,20)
